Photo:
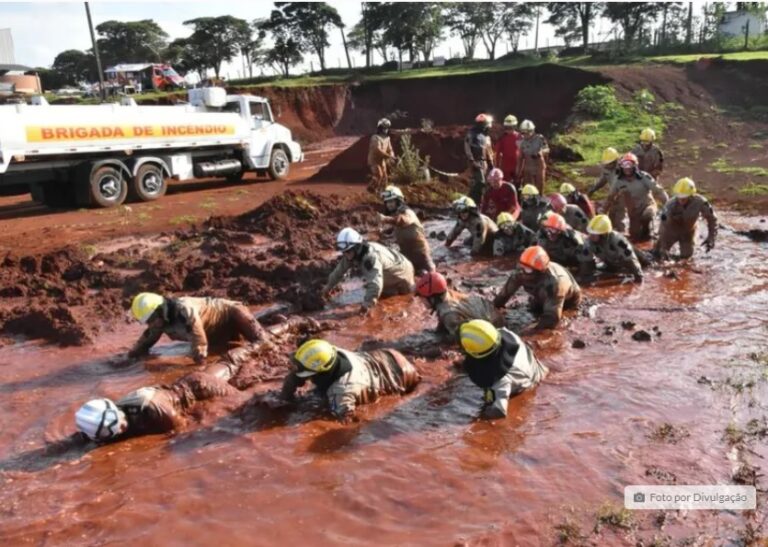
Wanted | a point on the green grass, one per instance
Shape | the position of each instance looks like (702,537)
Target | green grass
(183,219)
(752,189)
(614,515)
(693,57)
(723,166)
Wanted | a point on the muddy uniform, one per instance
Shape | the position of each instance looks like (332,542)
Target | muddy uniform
(566,249)
(201,321)
(385,272)
(359,378)
(532,209)
(651,160)
(379,151)
(582,202)
(482,231)
(514,240)
(550,291)
(678,224)
(533,165)
(479,152)
(509,370)
(410,237)
(457,308)
(638,193)
(502,200)
(615,252)
(575,217)
(618,210)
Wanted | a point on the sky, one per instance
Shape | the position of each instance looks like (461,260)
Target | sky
(41,30)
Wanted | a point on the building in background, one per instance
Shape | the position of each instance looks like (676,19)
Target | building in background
(6,47)
(734,23)
(19,80)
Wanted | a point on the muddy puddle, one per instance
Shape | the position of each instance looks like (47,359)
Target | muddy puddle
(420,470)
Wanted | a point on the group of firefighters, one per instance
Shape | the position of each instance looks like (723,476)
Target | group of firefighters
(555,240)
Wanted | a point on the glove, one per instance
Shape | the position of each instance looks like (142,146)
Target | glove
(708,244)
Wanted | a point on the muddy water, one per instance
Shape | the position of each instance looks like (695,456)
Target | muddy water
(421,470)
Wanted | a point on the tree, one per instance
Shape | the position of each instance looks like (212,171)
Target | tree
(74,66)
(286,50)
(218,39)
(518,20)
(631,16)
(570,18)
(309,22)
(465,20)
(130,42)
(187,57)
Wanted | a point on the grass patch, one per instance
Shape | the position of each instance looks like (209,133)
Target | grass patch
(569,533)
(756,146)
(723,166)
(753,189)
(693,57)
(143,216)
(613,515)
(209,205)
(183,219)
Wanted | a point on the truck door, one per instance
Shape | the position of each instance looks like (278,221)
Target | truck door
(261,135)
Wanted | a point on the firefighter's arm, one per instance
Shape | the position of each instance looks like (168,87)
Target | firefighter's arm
(709,215)
(196,330)
(148,338)
(337,274)
(373,274)
(508,290)
(454,233)
(290,384)
(480,232)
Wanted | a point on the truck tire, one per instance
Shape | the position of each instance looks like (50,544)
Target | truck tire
(107,186)
(279,164)
(149,183)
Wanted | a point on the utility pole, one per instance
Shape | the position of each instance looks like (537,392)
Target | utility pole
(96,53)
(689,25)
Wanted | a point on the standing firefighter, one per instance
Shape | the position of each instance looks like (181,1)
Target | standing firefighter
(678,220)
(201,321)
(513,237)
(532,162)
(649,156)
(452,307)
(501,197)
(479,152)
(379,153)
(348,379)
(574,197)
(608,177)
(638,190)
(409,233)
(611,248)
(385,272)
(500,363)
(481,229)
(551,287)
(533,207)
(507,150)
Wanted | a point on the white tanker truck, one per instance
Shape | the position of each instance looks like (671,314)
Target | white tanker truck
(97,155)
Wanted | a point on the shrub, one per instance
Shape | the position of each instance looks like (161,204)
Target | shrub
(644,99)
(410,166)
(598,101)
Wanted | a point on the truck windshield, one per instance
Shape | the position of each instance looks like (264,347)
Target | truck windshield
(259,111)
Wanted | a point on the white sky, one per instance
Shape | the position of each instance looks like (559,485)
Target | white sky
(43,29)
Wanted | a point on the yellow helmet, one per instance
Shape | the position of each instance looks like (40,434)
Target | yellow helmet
(504,218)
(144,305)
(530,190)
(463,203)
(315,356)
(510,121)
(610,154)
(479,338)
(392,192)
(647,135)
(600,225)
(684,188)
(567,188)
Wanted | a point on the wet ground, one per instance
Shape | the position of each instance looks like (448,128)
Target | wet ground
(685,407)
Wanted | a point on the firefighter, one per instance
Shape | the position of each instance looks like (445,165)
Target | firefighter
(162,408)
(453,307)
(409,233)
(611,248)
(609,162)
(563,244)
(385,272)
(533,207)
(550,286)
(479,153)
(203,322)
(572,214)
(501,196)
(679,217)
(649,156)
(638,190)
(348,379)
(507,151)
(574,197)
(532,162)
(513,237)
(481,229)
(380,152)
(500,363)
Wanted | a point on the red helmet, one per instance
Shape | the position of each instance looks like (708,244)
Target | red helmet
(558,202)
(430,284)
(483,119)
(628,160)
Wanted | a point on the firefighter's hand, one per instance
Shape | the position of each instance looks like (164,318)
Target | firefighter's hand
(365,309)
(708,244)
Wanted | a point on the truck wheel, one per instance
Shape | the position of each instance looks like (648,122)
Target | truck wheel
(107,187)
(279,164)
(149,183)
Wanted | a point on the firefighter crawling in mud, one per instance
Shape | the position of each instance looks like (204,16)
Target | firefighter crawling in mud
(409,233)
(512,238)
(563,244)
(534,207)
(201,321)
(385,272)
(481,229)
(574,197)
(500,363)
(453,307)
(611,248)
(573,215)
(550,286)
(348,379)
(679,217)
(163,408)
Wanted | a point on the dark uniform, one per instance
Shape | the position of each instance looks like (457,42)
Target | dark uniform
(512,239)
(479,152)
(678,224)
(565,249)
(482,231)
(532,210)
(617,254)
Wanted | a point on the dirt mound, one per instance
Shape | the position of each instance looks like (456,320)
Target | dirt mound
(56,323)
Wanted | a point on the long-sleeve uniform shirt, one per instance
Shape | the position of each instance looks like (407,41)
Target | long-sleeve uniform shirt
(410,237)
(385,272)
(457,308)
(506,154)
(512,240)
(501,200)
(532,210)
(482,231)
(575,217)
(650,160)
(617,211)
(566,249)
(615,252)
(379,150)
(638,192)
(201,321)
(678,224)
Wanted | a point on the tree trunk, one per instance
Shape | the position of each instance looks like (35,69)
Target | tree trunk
(321,56)
(746,35)
(585,20)
(689,25)
(663,39)
(346,49)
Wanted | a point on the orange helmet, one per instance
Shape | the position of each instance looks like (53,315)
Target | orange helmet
(628,160)
(554,222)
(535,258)
(430,284)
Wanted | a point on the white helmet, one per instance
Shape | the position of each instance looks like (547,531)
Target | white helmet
(347,239)
(392,192)
(384,122)
(98,419)
(464,203)
(527,126)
